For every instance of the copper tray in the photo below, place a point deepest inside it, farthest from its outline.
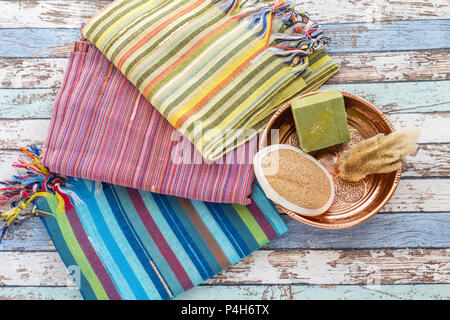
(354, 202)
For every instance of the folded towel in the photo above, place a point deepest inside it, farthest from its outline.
(130, 244)
(215, 69)
(103, 129)
(123, 243)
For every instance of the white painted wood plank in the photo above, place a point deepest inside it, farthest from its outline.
(31, 73)
(318, 292)
(340, 267)
(355, 67)
(431, 160)
(19, 133)
(420, 195)
(392, 66)
(71, 14)
(40, 293)
(14, 133)
(33, 269)
(260, 292)
(416, 195)
(357, 267)
(48, 14)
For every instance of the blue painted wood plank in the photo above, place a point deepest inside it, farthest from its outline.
(258, 292)
(29, 236)
(392, 97)
(389, 36)
(399, 230)
(26, 103)
(401, 97)
(33, 43)
(347, 37)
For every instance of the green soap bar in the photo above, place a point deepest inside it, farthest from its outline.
(320, 120)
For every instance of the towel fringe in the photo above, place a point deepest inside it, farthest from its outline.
(301, 38)
(18, 194)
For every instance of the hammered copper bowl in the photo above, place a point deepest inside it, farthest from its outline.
(354, 202)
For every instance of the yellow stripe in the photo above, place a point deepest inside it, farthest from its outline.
(75, 250)
(119, 21)
(193, 72)
(125, 34)
(262, 59)
(251, 224)
(260, 45)
(165, 45)
(173, 117)
(320, 62)
(100, 15)
(234, 114)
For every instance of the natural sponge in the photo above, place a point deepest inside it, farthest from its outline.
(379, 154)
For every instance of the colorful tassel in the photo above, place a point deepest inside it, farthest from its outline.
(34, 181)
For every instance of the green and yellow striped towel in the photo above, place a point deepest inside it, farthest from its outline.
(216, 69)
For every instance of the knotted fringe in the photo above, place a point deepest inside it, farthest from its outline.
(18, 194)
(300, 38)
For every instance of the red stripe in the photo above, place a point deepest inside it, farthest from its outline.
(87, 248)
(159, 239)
(265, 224)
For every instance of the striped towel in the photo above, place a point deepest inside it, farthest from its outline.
(102, 129)
(122, 243)
(215, 69)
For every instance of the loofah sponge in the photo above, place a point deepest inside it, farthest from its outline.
(294, 179)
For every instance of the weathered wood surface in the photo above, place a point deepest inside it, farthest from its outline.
(393, 66)
(431, 160)
(31, 73)
(357, 267)
(261, 292)
(355, 68)
(346, 38)
(14, 133)
(393, 230)
(340, 267)
(395, 53)
(397, 97)
(72, 14)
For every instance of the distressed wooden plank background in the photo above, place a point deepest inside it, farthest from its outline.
(395, 53)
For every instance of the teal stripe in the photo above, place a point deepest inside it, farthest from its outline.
(216, 230)
(269, 210)
(194, 235)
(102, 250)
(140, 274)
(170, 237)
(147, 240)
(241, 227)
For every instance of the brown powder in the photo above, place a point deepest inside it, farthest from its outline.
(296, 178)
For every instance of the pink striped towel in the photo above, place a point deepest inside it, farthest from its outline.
(102, 129)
